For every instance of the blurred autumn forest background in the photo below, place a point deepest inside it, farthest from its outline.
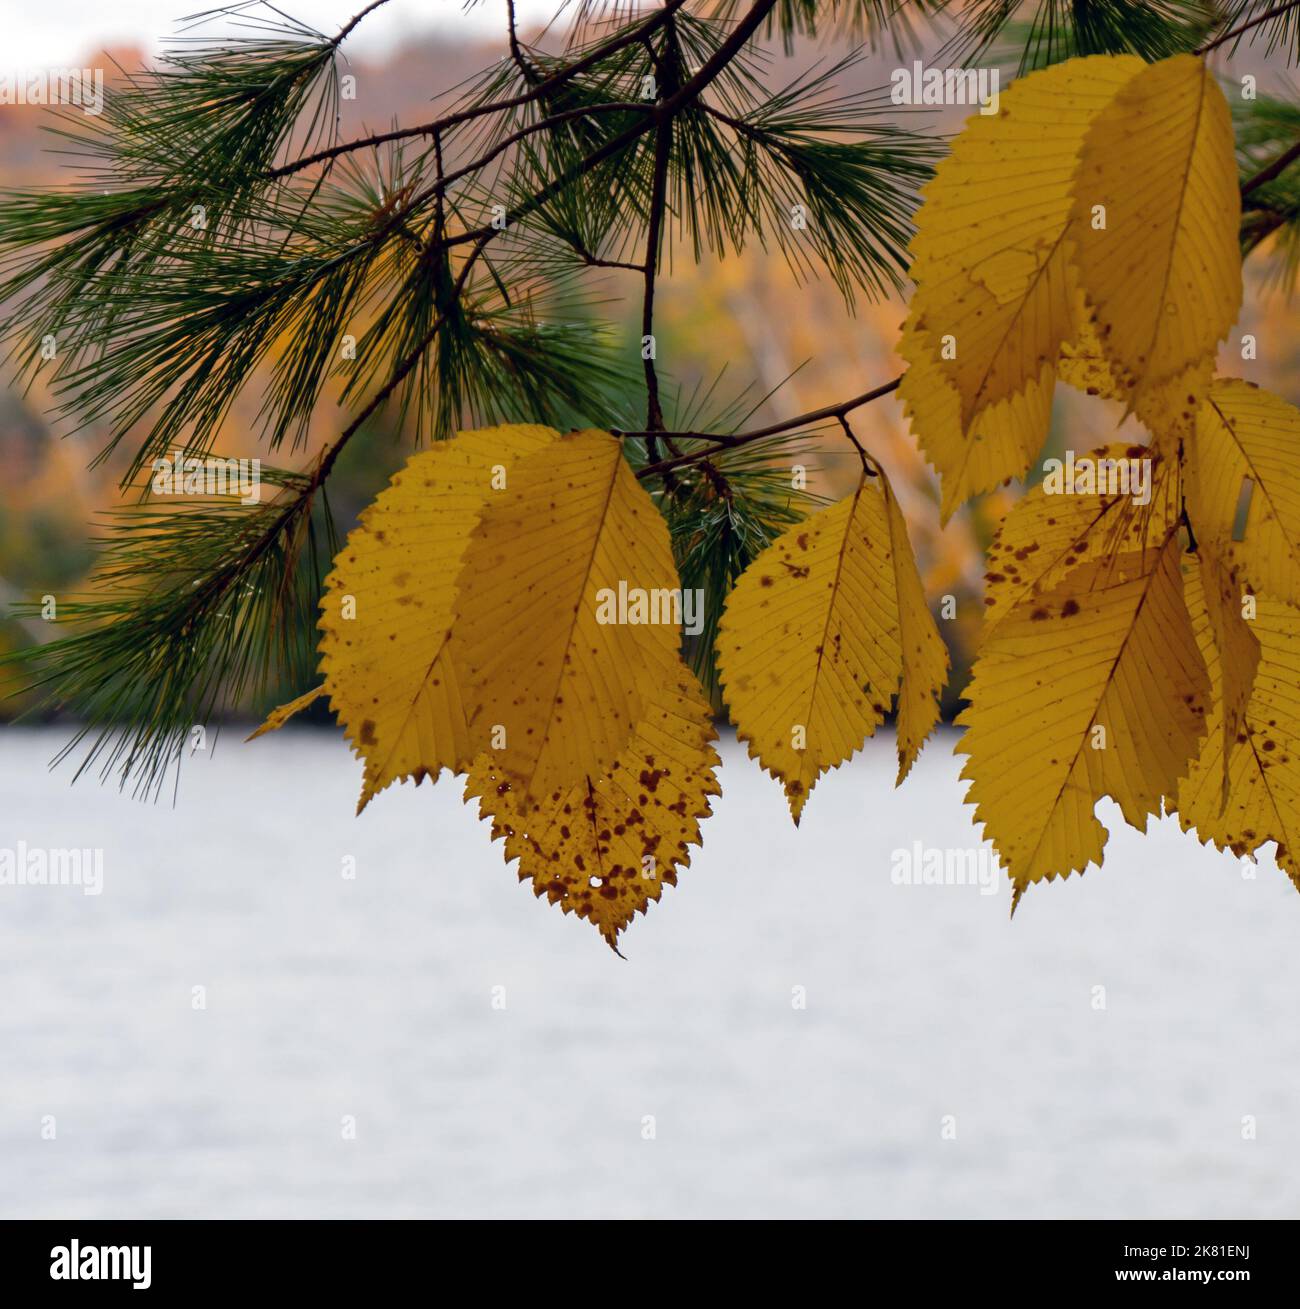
(748, 325)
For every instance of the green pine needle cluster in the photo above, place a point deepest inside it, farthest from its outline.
(1036, 33)
(195, 607)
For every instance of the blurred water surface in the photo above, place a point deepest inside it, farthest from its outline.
(372, 998)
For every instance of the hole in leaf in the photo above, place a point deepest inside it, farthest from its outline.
(1243, 508)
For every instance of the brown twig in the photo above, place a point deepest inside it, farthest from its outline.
(731, 442)
(530, 74)
(1278, 166)
(351, 25)
(867, 469)
(1263, 223)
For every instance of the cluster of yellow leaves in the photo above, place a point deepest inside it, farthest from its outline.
(461, 631)
(1088, 230)
(1140, 647)
(465, 628)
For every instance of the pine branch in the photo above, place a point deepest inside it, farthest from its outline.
(722, 441)
(1273, 170)
(196, 605)
(1065, 29)
(530, 74)
(546, 87)
(1276, 12)
(356, 21)
(667, 66)
(661, 112)
(482, 237)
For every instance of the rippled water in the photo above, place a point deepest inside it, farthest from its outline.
(372, 998)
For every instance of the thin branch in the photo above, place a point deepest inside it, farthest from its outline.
(542, 125)
(667, 70)
(1266, 175)
(440, 205)
(716, 478)
(1186, 522)
(543, 88)
(725, 442)
(594, 261)
(529, 73)
(809, 419)
(737, 125)
(353, 23)
(867, 469)
(1264, 222)
(1275, 12)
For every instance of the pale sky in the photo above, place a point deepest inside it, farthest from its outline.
(44, 33)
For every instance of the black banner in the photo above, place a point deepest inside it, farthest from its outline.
(88, 1260)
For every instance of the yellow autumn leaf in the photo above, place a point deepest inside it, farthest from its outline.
(990, 257)
(1045, 536)
(605, 849)
(1247, 442)
(565, 605)
(814, 639)
(1263, 756)
(999, 443)
(387, 608)
(1154, 234)
(1094, 688)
